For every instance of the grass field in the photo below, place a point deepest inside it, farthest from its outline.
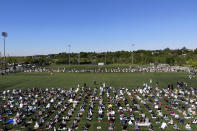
(68, 80)
(116, 80)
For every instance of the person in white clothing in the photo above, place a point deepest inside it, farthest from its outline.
(163, 125)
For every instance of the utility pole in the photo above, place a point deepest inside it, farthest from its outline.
(4, 34)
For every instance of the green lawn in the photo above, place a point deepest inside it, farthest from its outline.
(67, 80)
(116, 80)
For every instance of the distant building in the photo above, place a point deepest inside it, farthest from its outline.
(163, 65)
(101, 64)
(152, 64)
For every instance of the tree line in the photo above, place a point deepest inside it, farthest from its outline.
(178, 57)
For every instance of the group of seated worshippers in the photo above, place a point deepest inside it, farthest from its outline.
(101, 105)
(148, 106)
(172, 106)
(46, 109)
(93, 98)
(115, 69)
(110, 111)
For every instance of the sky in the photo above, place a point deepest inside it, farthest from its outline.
(49, 26)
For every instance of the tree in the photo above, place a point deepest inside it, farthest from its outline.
(28, 60)
(170, 60)
(195, 51)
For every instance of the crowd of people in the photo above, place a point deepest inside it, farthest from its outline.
(118, 69)
(146, 107)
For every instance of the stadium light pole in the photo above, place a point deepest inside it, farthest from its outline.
(4, 35)
(69, 46)
(132, 52)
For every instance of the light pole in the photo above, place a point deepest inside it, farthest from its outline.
(132, 52)
(69, 46)
(4, 34)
